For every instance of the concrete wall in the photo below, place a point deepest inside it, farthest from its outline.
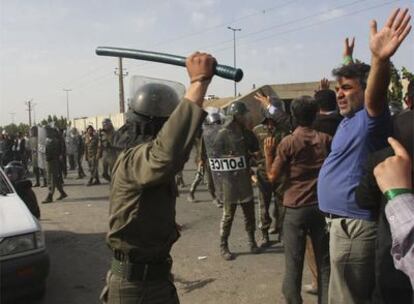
(118, 119)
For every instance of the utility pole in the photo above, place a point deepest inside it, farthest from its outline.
(121, 74)
(29, 109)
(67, 103)
(34, 113)
(234, 54)
(12, 114)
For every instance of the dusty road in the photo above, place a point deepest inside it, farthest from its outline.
(75, 235)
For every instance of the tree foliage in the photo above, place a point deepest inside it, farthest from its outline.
(60, 123)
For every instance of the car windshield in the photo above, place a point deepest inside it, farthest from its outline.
(4, 185)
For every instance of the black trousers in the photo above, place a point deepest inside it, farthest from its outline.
(298, 223)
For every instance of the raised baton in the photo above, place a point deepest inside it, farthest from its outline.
(223, 71)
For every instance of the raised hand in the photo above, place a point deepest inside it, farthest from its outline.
(349, 47)
(395, 171)
(262, 99)
(324, 84)
(384, 43)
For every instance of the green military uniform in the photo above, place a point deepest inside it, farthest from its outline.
(53, 153)
(142, 227)
(107, 152)
(92, 156)
(266, 188)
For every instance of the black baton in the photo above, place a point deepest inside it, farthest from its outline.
(223, 71)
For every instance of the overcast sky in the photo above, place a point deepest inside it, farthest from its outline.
(46, 46)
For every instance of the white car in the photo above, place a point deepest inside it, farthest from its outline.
(24, 261)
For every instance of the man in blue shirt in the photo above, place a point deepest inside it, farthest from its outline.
(363, 130)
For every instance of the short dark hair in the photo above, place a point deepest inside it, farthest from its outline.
(326, 100)
(357, 71)
(304, 110)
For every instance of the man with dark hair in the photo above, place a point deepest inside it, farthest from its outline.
(363, 130)
(328, 119)
(299, 156)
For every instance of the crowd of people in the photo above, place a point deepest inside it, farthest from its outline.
(321, 164)
(48, 153)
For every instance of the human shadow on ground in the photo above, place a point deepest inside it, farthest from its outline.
(190, 286)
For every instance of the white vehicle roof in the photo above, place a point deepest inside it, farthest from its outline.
(15, 217)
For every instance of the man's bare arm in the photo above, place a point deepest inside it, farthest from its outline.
(269, 148)
(383, 45)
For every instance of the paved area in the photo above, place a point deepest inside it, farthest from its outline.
(75, 235)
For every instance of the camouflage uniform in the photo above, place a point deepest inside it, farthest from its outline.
(267, 189)
(92, 157)
(107, 152)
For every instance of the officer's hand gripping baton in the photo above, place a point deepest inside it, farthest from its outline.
(223, 71)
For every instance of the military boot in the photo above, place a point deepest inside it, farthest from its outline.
(62, 196)
(252, 243)
(265, 239)
(48, 199)
(190, 197)
(224, 250)
(89, 182)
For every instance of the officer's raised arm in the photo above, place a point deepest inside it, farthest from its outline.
(156, 161)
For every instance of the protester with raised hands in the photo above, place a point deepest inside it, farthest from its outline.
(364, 129)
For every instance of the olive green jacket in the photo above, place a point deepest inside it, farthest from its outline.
(143, 191)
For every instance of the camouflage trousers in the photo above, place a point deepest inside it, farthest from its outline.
(93, 169)
(229, 210)
(121, 291)
(266, 192)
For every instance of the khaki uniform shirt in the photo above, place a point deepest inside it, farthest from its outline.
(143, 191)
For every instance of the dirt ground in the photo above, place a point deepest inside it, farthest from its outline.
(75, 236)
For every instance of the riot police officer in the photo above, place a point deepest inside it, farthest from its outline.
(203, 170)
(54, 156)
(157, 140)
(229, 149)
(269, 127)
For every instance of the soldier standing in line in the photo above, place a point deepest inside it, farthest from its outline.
(106, 150)
(229, 149)
(80, 144)
(269, 127)
(92, 155)
(142, 226)
(53, 158)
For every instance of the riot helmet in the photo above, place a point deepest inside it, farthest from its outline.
(213, 118)
(237, 108)
(154, 97)
(14, 171)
